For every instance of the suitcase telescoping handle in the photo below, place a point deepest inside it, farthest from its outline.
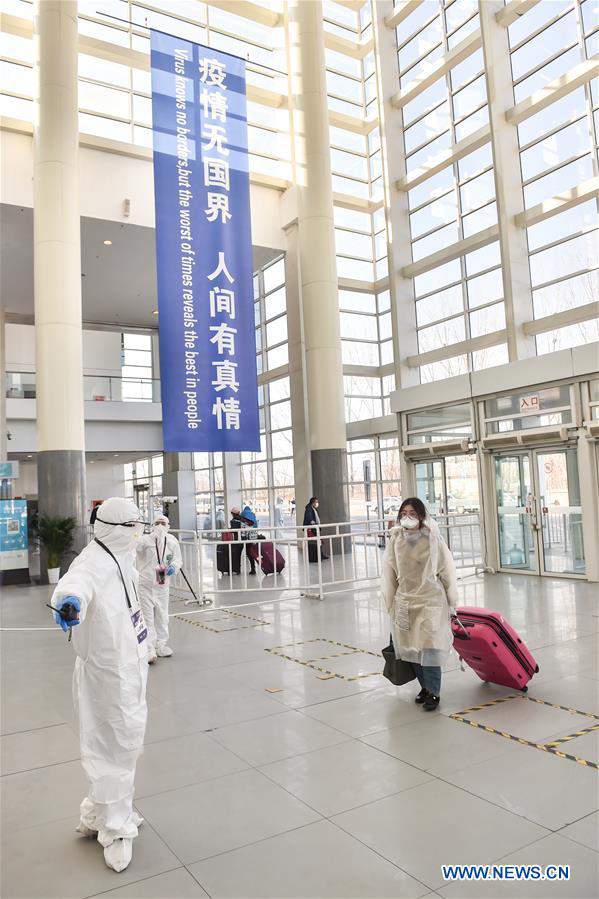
(455, 617)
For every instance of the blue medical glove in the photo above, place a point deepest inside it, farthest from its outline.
(170, 570)
(73, 601)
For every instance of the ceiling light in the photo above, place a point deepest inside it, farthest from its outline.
(115, 455)
(107, 243)
(155, 312)
(30, 456)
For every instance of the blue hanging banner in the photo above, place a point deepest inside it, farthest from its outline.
(203, 249)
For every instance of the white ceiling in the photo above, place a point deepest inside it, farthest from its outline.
(114, 458)
(118, 281)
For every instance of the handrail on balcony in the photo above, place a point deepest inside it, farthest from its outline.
(96, 388)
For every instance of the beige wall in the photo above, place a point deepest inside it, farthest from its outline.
(106, 179)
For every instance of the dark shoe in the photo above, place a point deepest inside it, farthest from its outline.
(323, 557)
(431, 702)
(421, 697)
(237, 572)
(252, 571)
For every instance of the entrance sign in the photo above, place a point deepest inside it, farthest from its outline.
(530, 403)
(203, 249)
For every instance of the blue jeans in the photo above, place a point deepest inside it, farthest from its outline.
(429, 677)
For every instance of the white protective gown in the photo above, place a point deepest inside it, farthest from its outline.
(109, 683)
(419, 588)
(151, 551)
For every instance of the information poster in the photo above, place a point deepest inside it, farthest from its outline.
(14, 552)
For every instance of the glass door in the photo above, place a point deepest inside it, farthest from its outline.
(430, 486)
(560, 511)
(141, 494)
(516, 513)
(449, 488)
(539, 514)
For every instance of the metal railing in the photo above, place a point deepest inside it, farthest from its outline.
(463, 534)
(96, 388)
(317, 560)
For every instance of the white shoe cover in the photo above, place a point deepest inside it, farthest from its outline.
(151, 659)
(85, 830)
(118, 855)
(164, 652)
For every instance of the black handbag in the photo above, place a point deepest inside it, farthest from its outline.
(396, 671)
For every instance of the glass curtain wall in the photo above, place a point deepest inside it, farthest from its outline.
(463, 298)
(143, 484)
(115, 99)
(361, 236)
(456, 302)
(558, 151)
(267, 477)
(211, 511)
(374, 461)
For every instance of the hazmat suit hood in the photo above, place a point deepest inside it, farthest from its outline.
(113, 522)
(161, 526)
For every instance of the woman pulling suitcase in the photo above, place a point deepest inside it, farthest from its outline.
(419, 588)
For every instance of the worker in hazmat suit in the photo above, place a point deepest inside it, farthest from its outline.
(158, 561)
(419, 589)
(97, 600)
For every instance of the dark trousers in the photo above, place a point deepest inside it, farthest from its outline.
(251, 551)
(429, 677)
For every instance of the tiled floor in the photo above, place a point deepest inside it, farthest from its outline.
(262, 780)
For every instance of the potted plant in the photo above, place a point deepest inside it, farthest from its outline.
(56, 536)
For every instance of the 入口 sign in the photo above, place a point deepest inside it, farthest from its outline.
(530, 403)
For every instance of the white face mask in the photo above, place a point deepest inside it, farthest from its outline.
(160, 530)
(123, 539)
(409, 523)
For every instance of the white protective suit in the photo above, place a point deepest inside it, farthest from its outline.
(419, 588)
(109, 683)
(157, 548)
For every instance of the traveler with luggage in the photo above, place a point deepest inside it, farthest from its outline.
(419, 588)
(249, 520)
(228, 552)
(311, 521)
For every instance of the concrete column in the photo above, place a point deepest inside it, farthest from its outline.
(589, 491)
(57, 266)
(178, 479)
(488, 509)
(317, 263)
(302, 469)
(517, 288)
(399, 246)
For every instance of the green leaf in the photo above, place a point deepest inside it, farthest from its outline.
(56, 536)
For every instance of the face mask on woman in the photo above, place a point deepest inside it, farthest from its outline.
(409, 523)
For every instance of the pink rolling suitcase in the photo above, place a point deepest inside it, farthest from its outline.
(269, 554)
(492, 648)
